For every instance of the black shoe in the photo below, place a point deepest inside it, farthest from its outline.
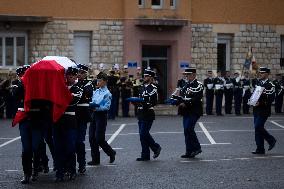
(187, 156)
(272, 145)
(45, 169)
(82, 170)
(92, 163)
(35, 176)
(26, 179)
(72, 176)
(157, 153)
(195, 153)
(112, 157)
(40, 169)
(59, 179)
(142, 159)
(258, 152)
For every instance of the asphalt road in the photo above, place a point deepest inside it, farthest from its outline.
(226, 161)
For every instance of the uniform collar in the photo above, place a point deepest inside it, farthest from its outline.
(264, 81)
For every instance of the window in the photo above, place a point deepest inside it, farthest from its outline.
(173, 4)
(13, 49)
(82, 47)
(141, 3)
(157, 4)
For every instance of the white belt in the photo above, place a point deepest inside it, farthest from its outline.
(141, 108)
(69, 113)
(84, 105)
(21, 109)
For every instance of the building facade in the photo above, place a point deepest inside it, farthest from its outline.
(164, 34)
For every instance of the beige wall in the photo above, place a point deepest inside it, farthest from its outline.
(199, 11)
(62, 8)
(238, 11)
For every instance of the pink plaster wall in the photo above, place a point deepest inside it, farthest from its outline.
(179, 39)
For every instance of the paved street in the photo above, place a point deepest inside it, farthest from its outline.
(226, 161)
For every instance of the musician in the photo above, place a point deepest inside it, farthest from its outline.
(228, 93)
(208, 83)
(246, 85)
(114, 90)
(219, 91)
(237, 93)
(279, 92)
(191, 109)
(146, 116)
(262, 111)
(83, 115)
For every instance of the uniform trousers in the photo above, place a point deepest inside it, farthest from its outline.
(30, 138)
(65, 136)
(261, 133)
(209, 101)
(80, 143)
(238, 101)
(147, 141)
(219, 99)
(191, 141)
(97, 132)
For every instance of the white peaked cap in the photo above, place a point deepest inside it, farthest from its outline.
(125, 66)
(102, 66)
(116, 66)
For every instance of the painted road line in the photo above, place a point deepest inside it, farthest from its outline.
(210, 138)
(107, 165)
(231, 159)
(116, 133)
(11, 170)
(89, 149)
(124, 123)
(277, 124)
(215, 144)
(6, 138)
(10, 141)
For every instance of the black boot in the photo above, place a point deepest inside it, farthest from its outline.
(27, 167)
(112, 157)
(82, 169)
(72, 176)
(35, 175)
(26, 179)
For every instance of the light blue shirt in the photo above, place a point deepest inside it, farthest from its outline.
(102, 98)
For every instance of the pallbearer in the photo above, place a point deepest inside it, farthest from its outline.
(191, 109)
(83, 115)
(65, 131)
(30, 137)
(146, 116)
(261, 112)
